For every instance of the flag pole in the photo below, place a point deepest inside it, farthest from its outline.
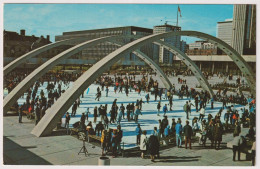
(177, 15)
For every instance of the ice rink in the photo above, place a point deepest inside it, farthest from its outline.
(148, 120)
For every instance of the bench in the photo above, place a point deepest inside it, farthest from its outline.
(94, 137)
(74, 131)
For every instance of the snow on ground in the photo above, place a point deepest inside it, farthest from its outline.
(148, 120)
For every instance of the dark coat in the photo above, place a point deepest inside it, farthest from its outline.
(218, 131)
(153, 145)
(187, 130)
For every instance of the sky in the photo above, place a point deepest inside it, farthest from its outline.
(54, 19)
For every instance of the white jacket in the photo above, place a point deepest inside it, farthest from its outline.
(143, 142)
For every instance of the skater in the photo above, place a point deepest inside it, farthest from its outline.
(138, 132)
(165, 109)
(158, 108)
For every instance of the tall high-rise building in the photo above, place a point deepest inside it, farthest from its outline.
(244, 29)
(166, 56)
(224, 31)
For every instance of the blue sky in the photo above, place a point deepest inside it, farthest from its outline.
(53, 19)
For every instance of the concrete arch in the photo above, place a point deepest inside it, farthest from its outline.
(39, 72)
(190, 64)
(22, 59)
(46, 125)
(150, 62)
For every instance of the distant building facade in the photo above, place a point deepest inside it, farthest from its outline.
(202, 48)
(165, 56)
(101, 50)
(16, 45)
(224, 31)
(244, 29)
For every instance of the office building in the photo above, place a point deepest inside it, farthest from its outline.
(101, 50)
(224, 31)
(165, 56)
(244, 29)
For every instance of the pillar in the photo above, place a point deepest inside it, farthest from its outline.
(213, 65)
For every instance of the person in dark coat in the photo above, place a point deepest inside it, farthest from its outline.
(114, 143)
(211, 130)
(99, 128)
(67, 122)
(20, 114)
(95, 114)
(74, 109)
(83, 118)
(218, 131)
(164, 123)
(153, 147)
(187, 130)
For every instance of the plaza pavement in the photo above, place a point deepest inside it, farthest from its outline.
(22, 148)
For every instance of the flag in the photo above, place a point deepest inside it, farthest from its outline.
(179, 10)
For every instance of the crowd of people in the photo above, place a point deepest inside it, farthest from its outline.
(209, 128)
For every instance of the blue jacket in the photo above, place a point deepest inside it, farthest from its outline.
(167, 131)
(138, 131)
(178, 128)
(165, 108)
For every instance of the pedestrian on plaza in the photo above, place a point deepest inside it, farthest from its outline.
(236, 146)
(153, 147)
(165, 123)
(143, 143)
(67, 122)
(20, 114)
(167, 131)
(165, 109)
(218, 134)
(83, 118)
(155, 132)
(128, 111)
(119, 137)
(237, 129)
(105, 122)
(37, 115)
(187, 130)
(114, 141)
(226, 118)
(178, 129)
(99, 128)
(173, 127)
(95, 114)
(161, 130)
(158, 108)
(104, 142)
(138, 132)
(253, 149)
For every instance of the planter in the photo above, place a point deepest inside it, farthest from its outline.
(103, 161)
